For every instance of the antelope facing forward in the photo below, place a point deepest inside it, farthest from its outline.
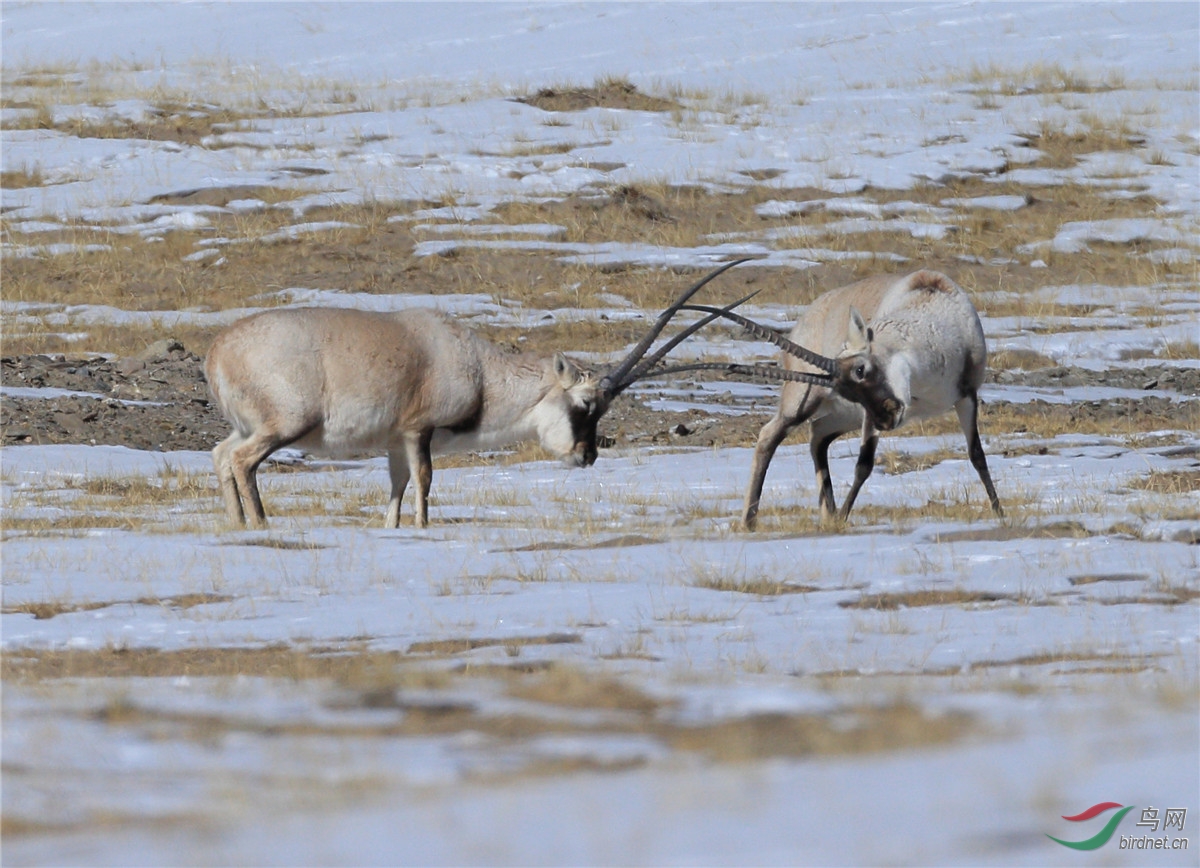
(922, 354)
(414, 383)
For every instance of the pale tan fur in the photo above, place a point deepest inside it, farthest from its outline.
(336, 382)
(917, 336)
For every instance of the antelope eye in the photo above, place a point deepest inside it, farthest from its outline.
(860, 372)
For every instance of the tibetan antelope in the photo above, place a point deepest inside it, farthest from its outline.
(414, 383)
(922, 354)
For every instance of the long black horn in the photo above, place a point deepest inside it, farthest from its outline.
(830, 366)
(770, 373)
(647, 365)
(610, 383)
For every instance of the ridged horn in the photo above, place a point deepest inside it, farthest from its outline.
(766, 371)
(617, 377)
(830, 366)
(647, 366)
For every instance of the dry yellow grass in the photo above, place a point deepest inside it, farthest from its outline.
(375, 255)
(1061, 147)
(16, 179)
(922, 598)
(51, 609)
(1039, 77)
(759, 586)
(379, 680)
(1168, 482)
(606, 91)
(165, 120)
(170, 486)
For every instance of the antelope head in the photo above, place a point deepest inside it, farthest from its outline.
(857, 374)
(589, 396)
(862, 377)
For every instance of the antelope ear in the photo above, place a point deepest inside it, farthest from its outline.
(566, 372)
(858, 336)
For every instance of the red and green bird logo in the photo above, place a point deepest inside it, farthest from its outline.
(1101, 837)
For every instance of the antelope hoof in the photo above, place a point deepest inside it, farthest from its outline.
(835, 522)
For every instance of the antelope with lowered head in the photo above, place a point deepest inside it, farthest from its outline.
(922, 354)
(413, 383)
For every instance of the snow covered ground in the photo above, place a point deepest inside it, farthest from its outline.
(594, 667)
(1072, 656)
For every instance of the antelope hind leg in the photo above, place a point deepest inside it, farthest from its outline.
(222, 461)
(967, 409)
(245, 458)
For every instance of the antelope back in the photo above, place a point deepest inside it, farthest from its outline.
(824, 325)
(928, 322)
(839, 324)
(920, 297)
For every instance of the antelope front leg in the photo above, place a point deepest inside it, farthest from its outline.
(399, 472)
(863, 467)
(769, 439)
(819, 449)
(416, 448)
(794, 409)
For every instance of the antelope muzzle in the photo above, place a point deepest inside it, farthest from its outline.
(582, 455)
(888, 415)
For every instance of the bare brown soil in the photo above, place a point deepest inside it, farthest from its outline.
(615, 93)
(160, 402)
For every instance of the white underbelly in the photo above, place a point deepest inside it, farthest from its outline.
(926, 405)
(341, 444)
(446, 441)
(340, 441)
